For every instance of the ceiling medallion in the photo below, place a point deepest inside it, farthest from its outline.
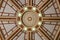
(29, 18)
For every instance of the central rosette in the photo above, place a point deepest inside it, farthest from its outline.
(30, 18)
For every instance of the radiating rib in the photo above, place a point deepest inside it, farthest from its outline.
(7, 18)
(44, 4)
(1, 1)
(41, 3)
(16, 4)
(29, 2)
(57, 19)
(1, 35)
(44, 34)
(58, 2)
(14, 34)
(29, 36)
(57, 34)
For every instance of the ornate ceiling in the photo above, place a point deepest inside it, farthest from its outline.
(30, 20)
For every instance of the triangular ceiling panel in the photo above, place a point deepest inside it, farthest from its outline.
(8, 9)
(37, 1)
(37, 37)
(22, 1)
(8, 27)
(50, 10)
(21, 37)
(49, 27)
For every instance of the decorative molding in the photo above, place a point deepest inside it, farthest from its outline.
(1, 35)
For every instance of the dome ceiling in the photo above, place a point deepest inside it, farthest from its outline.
(30, 20)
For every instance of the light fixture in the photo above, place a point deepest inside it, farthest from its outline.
(19, 14)
(25, 8)
(19, 23)
(33, 29)
(25, 29)
(39, 23)
(34, 8)
(40, 15)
